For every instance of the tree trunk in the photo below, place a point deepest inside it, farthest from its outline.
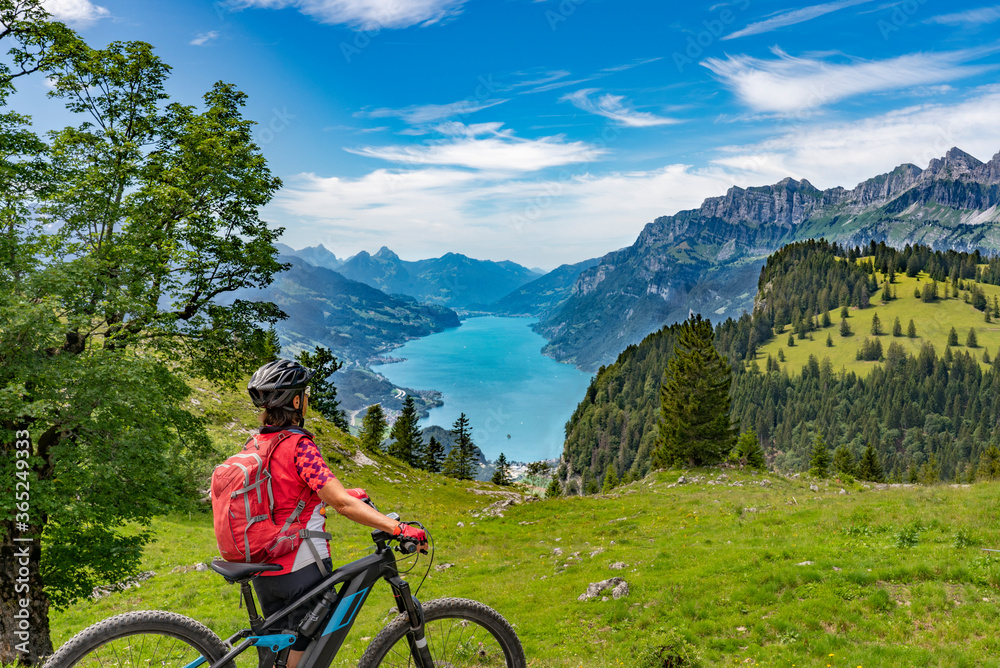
(24, 606)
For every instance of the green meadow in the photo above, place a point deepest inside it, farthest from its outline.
(739, 572)
(933, 321)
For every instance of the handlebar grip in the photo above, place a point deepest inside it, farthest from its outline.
(407, 546)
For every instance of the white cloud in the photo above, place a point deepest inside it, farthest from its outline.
(77, 12)
(571, 214)
(429, 113)
(845, 153)
(614, 107)
(366, 14)
(788, 84)
(969, 17)
(793, 16)
(204, 38)
(485, 146)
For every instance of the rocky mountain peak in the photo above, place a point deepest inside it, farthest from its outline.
(385, 254)
(989, 172)
(955, 162)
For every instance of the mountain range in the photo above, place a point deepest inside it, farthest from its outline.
(707, 259)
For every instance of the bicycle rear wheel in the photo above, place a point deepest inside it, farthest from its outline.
(142, 639)
(460, 634)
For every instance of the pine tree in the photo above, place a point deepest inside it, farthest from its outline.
(322, 391)
(971, 341)
(554, 489)
(748, 450)
(843, 461)
(989, 464)
(911, 330)
(372, 429)
(460, 462)
(791, 339)
(876, 325)
(897, 328)
(501, 476)
(820, 460)
(870, 467)
(844, 312)
(829, 341)
(987, 317)
(986, 356)
(953, 337)
(694, 400)
(408, 443)
(610, 480)
(433, 456)
(930, 473)
(845, 329)
(781, 355)
(826, 319)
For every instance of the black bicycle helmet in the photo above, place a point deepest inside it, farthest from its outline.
(276, 383)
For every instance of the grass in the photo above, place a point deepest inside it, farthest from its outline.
(897, 576)
(933, 322)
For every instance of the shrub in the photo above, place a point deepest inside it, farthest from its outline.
(667, 649)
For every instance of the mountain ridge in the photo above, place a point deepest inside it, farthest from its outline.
(706, 259)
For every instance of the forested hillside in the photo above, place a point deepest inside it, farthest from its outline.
(929, 403)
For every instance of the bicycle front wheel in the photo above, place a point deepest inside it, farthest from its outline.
(460, 634)
(143, 639)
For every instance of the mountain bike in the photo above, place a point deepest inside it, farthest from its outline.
(443, 633)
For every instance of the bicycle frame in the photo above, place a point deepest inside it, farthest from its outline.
(357, 579)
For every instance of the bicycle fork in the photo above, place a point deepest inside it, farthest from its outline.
(416, 638)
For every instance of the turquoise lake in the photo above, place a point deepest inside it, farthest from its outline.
(492, 369)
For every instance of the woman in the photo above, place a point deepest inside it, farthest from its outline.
(303, 486)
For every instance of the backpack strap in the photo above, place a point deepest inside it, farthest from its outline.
(305, 534)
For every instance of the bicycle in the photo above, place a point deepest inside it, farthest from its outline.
(443, 633)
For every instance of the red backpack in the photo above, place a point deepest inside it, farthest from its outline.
(243, 505)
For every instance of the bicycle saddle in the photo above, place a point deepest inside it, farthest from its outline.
(238, 571)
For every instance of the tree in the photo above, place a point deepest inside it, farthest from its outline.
(694, 400)
(539, 468)
(876, 325)
(554, 489)
(791, 340)
(845, 329)
(460, 462)
(826, 319)
(843, 461)
(151, 220)
(844, 312)
(911, 330)
(610, 480)
(408, 443)
(989, 464)
(501, 476)
(819, 462)
(829, 341)
(373, 429)
(930, 472)
(749, 452)
(870, 467)
(322, 392)
(953, 337)
(897, 328)
(970, 340)
(433, 456)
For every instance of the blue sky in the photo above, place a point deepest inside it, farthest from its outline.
(551, 131)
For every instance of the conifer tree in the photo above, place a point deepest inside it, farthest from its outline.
(748, 450)
(870, 467)
(843, 461)
(897, 328)
(844, 312)
(986, 356)
(911, 330)
(610, 480)
(460, 462)
(408, 443)
(930, 473)
(819, 463)
(433, 456)
(781, 354)
(876, 325)
(791, 339)
(829, 341)
(695, 428)
(372, 429)
(845, 329)
(971, 341)
(989, 464)
(322, 392)
(554, 489)
(953, 337)
(826, 319)
(501, 476)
